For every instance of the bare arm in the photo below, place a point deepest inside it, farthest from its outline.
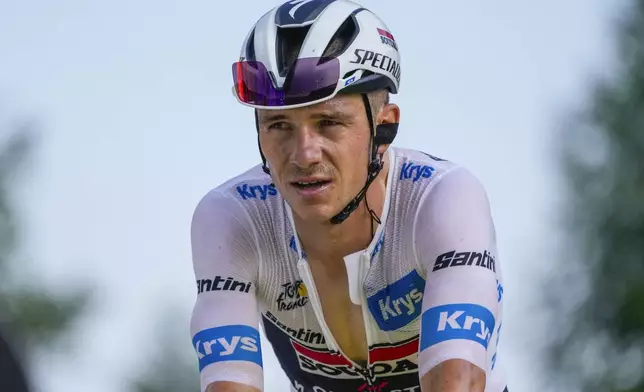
(225, 386)
(454, 375)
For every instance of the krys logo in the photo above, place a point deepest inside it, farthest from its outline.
(227, 343)
(413, 171)
(399, 303)
(456, 321)
(293, 295)
(261, 192)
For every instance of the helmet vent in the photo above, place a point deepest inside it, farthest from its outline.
(342, 39)
(289, 42)
(250, 47)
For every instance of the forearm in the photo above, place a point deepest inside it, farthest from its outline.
(454, 376)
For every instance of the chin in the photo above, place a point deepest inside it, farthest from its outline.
(319, 213)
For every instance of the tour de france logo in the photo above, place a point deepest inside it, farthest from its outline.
(293, 295)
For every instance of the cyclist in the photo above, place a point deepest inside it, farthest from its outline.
(370, 267)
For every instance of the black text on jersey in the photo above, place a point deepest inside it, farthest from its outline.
(222, 284)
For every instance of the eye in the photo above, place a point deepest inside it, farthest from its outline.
(279, 126)
(328, 123)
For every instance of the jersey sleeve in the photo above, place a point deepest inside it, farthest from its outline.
(454, 239)
(224, 324)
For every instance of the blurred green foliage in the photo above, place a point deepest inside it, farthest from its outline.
(600, 343)
(174, 367)
(32, 317)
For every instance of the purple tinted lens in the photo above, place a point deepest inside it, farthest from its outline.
(309, 79)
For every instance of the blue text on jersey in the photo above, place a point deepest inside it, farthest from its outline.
(499, 289)
(227, 343)
(376, 249)
(399, 303)
(415, 171)
(256, 191)
(498, 335)
(456, 321)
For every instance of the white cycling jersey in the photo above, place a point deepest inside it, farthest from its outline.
(430, 284)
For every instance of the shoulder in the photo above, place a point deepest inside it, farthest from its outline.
(453, 215)
(416, 166)
(441, 178)
(440, 198)
(424, 180)
(457, 191)
(250, 185)
(227, 209)
(224, 229)
(253, 184)
(456, 187)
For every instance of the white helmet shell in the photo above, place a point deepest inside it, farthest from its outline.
(368, 55)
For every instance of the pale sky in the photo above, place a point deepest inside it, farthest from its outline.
(133, 100)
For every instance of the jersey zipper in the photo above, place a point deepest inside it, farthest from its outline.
(357, 293)
(307, 277)
(365, 263)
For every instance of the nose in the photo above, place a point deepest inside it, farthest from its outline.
(308, 148)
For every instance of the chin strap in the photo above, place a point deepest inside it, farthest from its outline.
(264, 166)
(381, 134)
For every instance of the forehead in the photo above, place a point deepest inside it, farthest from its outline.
(340, 105)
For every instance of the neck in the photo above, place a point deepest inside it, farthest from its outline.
(333, 242)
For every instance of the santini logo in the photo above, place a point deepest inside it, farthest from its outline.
(415, 172)
(227, 343)
(453, 259)
(222, 284)
(456, 321)
(304, 335)
(256, 191)
(399, 303)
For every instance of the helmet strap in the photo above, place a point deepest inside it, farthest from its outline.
(373, 169)
(264, 165)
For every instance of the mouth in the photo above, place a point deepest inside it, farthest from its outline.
(310, 184)
(310, 187)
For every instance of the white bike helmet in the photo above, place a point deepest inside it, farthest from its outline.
(305, 52)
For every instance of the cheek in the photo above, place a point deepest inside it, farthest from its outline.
(266, 145)
(272, 150)
(355, 157)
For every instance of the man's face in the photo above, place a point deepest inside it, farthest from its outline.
(317, 155)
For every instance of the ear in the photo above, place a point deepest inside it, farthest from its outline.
(389, 114)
